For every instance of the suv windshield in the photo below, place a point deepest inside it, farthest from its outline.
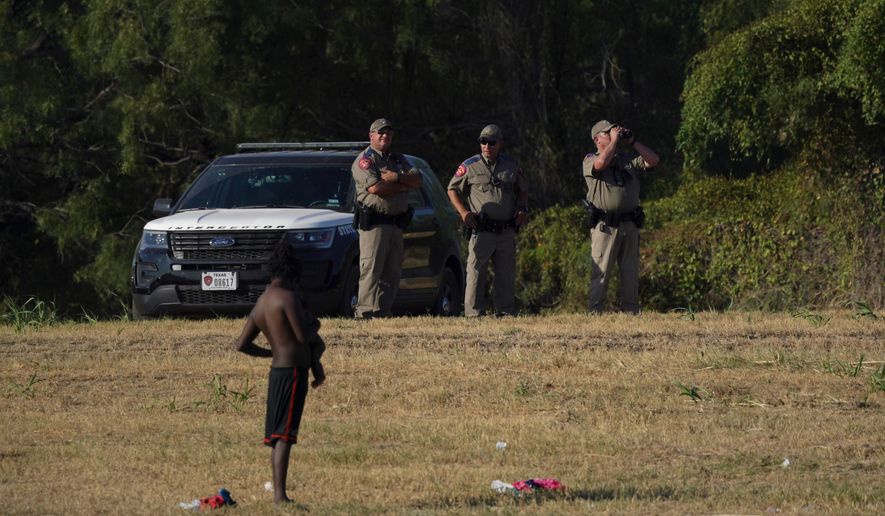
(270, 186)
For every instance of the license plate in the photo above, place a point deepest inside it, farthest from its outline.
(219, 280)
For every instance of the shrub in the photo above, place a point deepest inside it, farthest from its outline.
(554, 260)
(778, 242)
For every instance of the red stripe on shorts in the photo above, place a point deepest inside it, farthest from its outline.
(292, 401)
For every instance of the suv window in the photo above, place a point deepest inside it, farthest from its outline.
(416, 198)
(269, 186)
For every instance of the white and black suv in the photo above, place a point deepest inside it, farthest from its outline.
(208, 252)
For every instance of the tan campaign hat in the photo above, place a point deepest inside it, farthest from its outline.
(600, 127)
(491, 131)
(379, 124)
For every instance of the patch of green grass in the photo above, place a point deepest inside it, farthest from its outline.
(239, 398)
(685, 313)
(863, 310)
(221, 396)
(27, 388)
(88, 317)
(789, 361)
(816, 320)
(726, 362)
(840, 368)
(695, 392)
(877, 380)
(33, 313)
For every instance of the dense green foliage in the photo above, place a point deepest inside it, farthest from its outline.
(107, 105)
(806, 80)
(786, 240)
(554, 260)
(787, 104)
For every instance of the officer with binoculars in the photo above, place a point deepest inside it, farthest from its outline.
(612, 177)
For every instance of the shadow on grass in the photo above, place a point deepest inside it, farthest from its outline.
(586, 495)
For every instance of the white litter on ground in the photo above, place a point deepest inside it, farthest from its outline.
(500, 486)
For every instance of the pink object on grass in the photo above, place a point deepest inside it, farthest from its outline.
(538, 483)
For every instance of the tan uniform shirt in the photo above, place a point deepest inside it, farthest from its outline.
(366, 170)
(491, 188)
(615, 188)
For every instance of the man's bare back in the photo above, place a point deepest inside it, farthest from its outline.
(278, 315)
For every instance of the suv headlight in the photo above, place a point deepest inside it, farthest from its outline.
(153, 240)
(312, 238)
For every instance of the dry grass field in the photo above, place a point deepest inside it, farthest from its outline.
(662, 413)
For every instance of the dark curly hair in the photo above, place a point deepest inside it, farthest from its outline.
(284, 263)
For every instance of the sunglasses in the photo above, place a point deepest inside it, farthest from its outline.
(385, 131)
(490, 143)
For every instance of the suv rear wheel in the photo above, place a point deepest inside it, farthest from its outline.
(448, 300)
(349, 291)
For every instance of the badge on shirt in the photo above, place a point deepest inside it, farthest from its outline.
(365, 163)
(461, 170)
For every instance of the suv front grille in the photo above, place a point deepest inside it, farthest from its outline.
(248, 245)
(194, 295)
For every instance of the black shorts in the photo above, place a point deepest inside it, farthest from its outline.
(286, 392)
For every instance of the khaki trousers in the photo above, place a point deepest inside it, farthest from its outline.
(607, 245)
(500, 248)
(381, 265)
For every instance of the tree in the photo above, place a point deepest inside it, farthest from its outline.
(802, 81)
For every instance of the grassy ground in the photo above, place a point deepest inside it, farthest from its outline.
(660, 413)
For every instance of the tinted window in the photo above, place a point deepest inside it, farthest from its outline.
(268, 186)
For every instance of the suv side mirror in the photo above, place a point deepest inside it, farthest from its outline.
(162, 207)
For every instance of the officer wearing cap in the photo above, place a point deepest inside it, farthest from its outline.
(612, 177)
(497, 195)
(383, 180)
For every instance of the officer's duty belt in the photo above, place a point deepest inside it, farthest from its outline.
(613, 218)
(494, 226)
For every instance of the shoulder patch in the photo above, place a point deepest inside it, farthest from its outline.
(471, 161)
(461, 170)
(369, 153)
(365, 163)
(590, 155)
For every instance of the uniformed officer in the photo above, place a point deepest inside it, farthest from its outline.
(612, 177)
(383, 180)
(497, 194)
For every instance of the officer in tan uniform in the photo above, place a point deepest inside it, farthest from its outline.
(383, 180)
(497, 194)
(612, 177)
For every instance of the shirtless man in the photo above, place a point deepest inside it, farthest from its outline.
(294, 347)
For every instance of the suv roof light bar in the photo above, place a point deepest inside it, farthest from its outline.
(247, 147)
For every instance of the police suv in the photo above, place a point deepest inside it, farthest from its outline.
(208, 252)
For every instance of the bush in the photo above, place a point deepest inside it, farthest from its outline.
(774, 242)
(790, 239)
(553, 268)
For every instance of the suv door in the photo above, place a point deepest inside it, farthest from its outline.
(420, 277)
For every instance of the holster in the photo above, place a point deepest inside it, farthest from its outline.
(611, 218)
(365, 218)
(594, 214)
(405, 218)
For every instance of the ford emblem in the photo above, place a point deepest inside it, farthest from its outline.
(222, 242)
